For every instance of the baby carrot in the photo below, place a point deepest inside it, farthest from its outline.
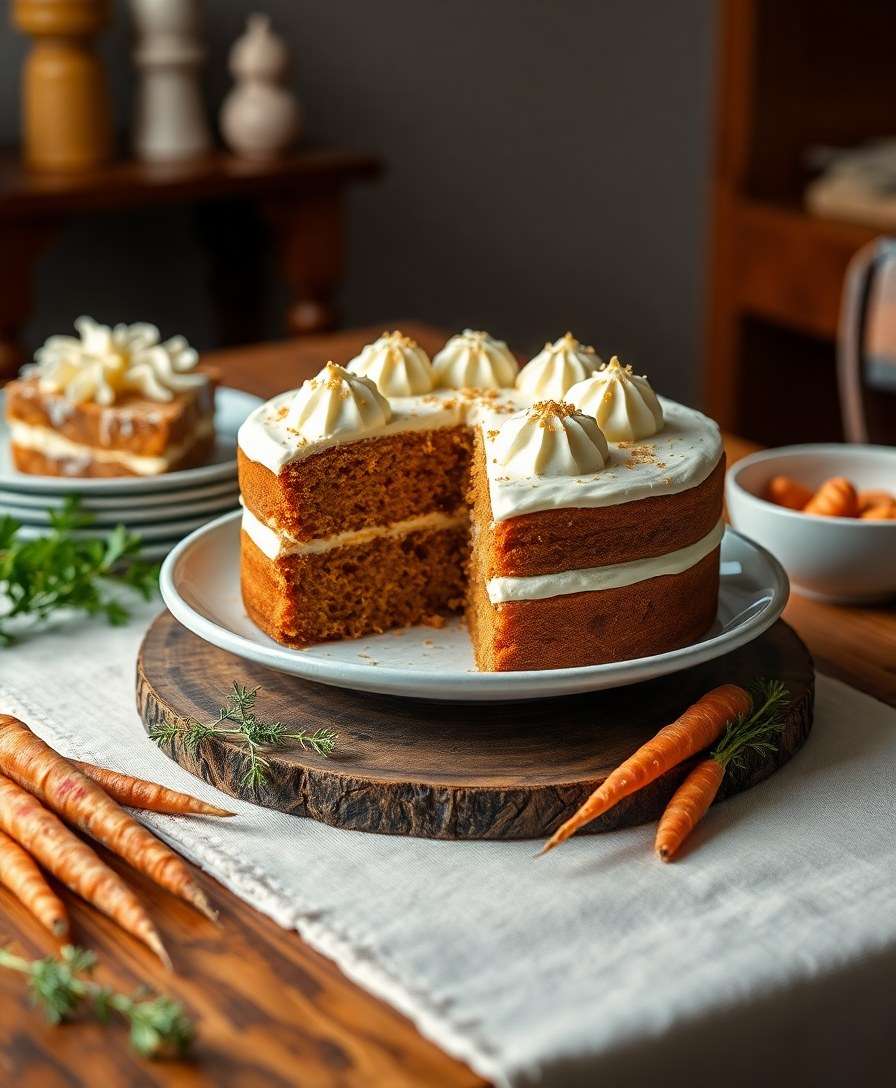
(50, 842)
(757, 731)
(19, 873)
(698, 727)
(138, 793)
(788, 492)
(26, 759)
(869, 499)
(688, 806)
(836, 498)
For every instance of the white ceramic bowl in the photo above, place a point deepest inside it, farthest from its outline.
(845, 560)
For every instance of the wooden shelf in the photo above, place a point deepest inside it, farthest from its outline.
(790, 264)
(129, 183)
(792, 76)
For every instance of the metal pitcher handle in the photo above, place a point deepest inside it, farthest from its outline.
(857, 288)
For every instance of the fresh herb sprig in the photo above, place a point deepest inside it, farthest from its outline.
(758, 731)
(238, 718)
(41, 577)
(62, 986)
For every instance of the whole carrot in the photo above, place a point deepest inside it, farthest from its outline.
(26, 759)
(689, 803)
(19, 873)
(698, 727)
(50, 842)
(138, 793)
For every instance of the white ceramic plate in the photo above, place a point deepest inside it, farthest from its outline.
(231, 408)
(136, 517)
(167, 530)
(200, 585)
(126, 503)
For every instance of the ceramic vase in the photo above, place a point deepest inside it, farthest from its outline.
(260, 117)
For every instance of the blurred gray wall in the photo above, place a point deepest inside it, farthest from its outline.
(547, 166)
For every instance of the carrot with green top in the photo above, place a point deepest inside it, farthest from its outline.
(755, 732)
(697, 728)
(150, 796)
(20, 874)
(28, 760)
(71, 861)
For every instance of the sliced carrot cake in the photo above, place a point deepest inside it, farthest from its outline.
(574, 515)
(111, 402)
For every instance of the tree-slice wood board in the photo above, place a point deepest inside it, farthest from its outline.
(452, 771)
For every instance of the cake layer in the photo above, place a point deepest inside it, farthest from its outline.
(570, 539)
(603, 578)
(135, 425)
(591, 628)
(275, 543)
(43, 452)
(351, 591)
(375, 481)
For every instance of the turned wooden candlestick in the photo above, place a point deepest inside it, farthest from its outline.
(65, 106)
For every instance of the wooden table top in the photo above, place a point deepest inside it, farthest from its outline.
(270, 1010)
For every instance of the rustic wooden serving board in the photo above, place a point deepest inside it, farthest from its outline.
(453, 771)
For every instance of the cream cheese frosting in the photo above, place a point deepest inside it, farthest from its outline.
(556, 368)
(681, 456)
(623, 403)
(475, 360)
(101, 363)
(614, 576)
(549, 439)
(396, 364)
(336, 403)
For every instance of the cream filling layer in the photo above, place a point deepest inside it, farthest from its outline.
(276, 545)
(52, 444)
(594, 579)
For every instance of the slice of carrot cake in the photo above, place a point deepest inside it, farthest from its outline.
(111, 402)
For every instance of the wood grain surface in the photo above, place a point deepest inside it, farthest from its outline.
(452, 771)
(272, 1012)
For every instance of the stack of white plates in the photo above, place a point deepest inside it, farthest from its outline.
(161, 509)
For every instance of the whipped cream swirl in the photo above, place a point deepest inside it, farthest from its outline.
(475, 360)
(551, 438)
(624, 405)
(557, 367)
(102, 363)
(337, 402)
(397, 364)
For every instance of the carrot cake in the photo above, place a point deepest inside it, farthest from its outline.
(111, 402)
(570, 512)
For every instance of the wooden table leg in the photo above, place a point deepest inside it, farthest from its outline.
(308, 233)
(20, 246)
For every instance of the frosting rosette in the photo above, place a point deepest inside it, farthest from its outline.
(623, 403)
(475, 360)
(337, 402)
(103, 362)
(551, 438)
(557, 367)
(397, 364)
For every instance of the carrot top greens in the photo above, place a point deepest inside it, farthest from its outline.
(239, 719)
(62, 985)
(65, 571)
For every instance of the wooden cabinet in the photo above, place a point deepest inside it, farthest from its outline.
(790, 76)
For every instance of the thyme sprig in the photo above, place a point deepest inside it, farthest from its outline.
(60, 570)
(238, 718)
(62, 985)
(759, 730)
